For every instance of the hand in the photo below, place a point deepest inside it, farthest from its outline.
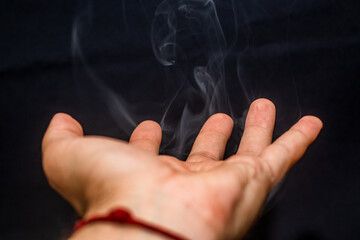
(202, 198)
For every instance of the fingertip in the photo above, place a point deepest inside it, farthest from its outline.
(61, 126)
(313, 121)
(221, 117)
(149, 129)
(147, 136)
(219, 122)
(262, 114)
(65, 122)
(310, 125)
(151, 123)
(60, 117)
(264, 104)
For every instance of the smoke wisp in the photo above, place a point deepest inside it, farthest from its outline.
(189, 42)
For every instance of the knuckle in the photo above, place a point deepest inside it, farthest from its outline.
(255, 168)
(202, 155)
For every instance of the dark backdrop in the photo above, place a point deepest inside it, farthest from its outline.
(92, 59)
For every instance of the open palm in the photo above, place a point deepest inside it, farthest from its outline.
(203, 197)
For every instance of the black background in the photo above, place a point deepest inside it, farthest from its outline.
(309, 47)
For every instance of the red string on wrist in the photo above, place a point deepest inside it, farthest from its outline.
(123, 216)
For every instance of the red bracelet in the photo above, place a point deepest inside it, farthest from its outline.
(121, 215)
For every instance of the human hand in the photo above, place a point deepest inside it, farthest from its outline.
(201, 198)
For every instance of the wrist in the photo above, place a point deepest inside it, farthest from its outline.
(165, 212)
(114, 231)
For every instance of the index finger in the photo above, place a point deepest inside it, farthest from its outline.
(290, 147)
(211, 142)
(147, 136)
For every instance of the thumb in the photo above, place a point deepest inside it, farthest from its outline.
(62, 130)
(61, 127)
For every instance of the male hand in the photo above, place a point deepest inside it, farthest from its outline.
(205, 197)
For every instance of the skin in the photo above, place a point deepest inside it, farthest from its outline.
(205, 197)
